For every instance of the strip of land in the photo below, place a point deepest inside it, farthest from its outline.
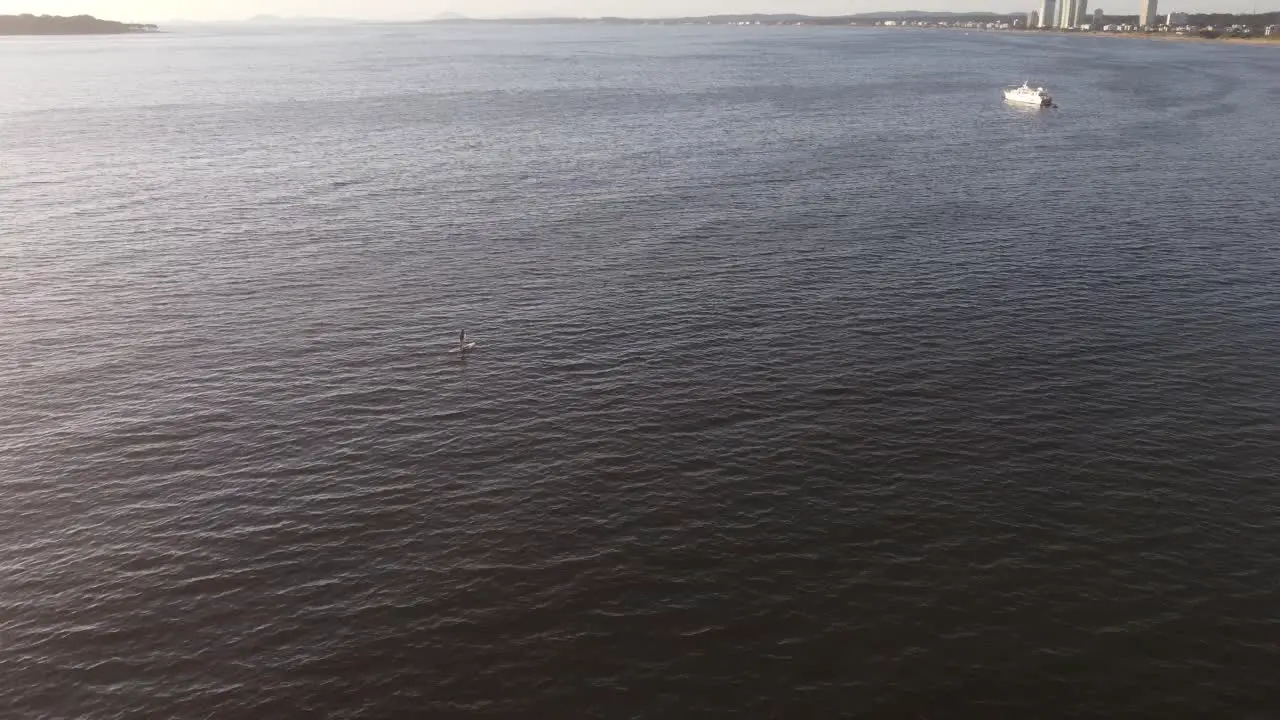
(58, 25)
(1256, 28)
(1235, 39)
(1179, 36)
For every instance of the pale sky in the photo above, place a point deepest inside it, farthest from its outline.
(163, 10)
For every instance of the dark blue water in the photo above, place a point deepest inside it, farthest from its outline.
(811, 379)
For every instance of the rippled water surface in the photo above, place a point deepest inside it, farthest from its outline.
(811, 380)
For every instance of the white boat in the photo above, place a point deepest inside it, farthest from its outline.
(1027, 95)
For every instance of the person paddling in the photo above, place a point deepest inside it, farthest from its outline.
(463, 345)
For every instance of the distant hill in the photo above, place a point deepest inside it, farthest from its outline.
(919, 14)
(787, 19)
(1253, 20)
(57, 25)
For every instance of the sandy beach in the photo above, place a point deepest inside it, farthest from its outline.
(1164, 37)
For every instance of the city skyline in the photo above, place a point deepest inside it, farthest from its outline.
(164, 10)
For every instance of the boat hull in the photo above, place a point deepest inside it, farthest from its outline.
(1032, 100)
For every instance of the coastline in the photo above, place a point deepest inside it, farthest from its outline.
(1170, 37)
(1157, 37)
(54, 25)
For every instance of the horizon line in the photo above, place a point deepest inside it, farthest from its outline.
(459, 17)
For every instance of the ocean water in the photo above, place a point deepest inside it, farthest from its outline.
(811, 380)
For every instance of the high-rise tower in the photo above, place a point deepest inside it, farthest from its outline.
(1046, 13)
(1147, 17)
(1066, 14)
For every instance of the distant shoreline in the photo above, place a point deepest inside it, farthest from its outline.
(45, 25)
(716, 22)
(969, 22)
(51, 25)
(1159, 37)
(1171, 37)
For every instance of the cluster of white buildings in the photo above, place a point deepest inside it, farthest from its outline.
(966, 24)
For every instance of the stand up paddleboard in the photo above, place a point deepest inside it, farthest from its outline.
(463, 345)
